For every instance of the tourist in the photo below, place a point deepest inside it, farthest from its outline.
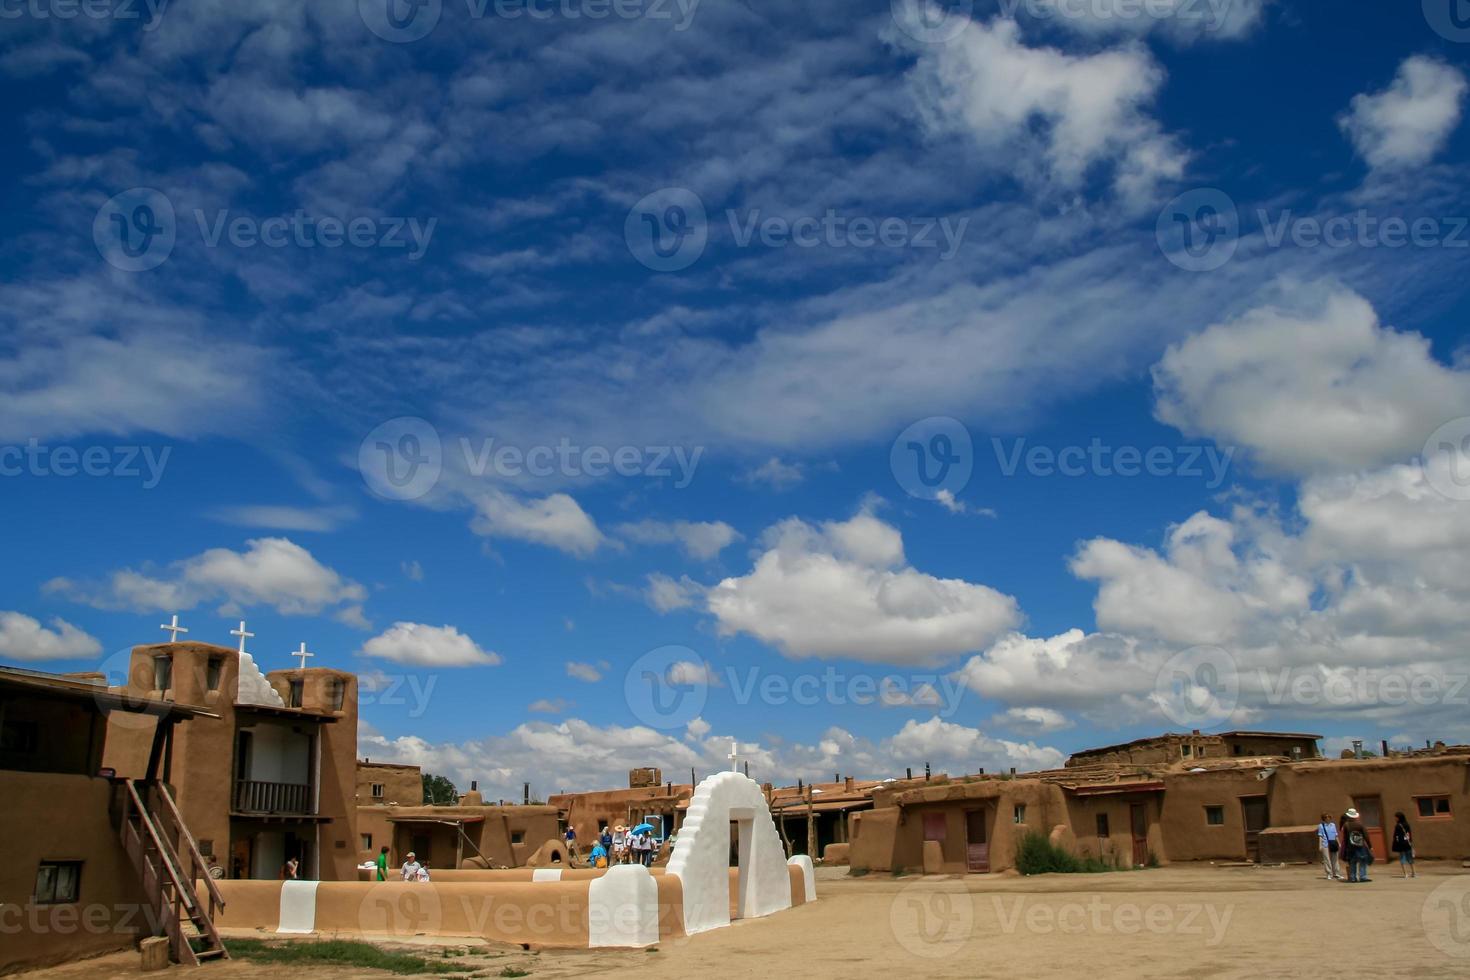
(411, 868)
(382, 863)
(620, 842)
(1328, 844)
(644, 847)
(423, 875)
(289, 871)
(598, 857)
(1359, 854)
(571, 841)
(1403, 844)
(606, 840)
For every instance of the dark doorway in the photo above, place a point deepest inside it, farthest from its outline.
(977, 844)
(1255, 815)
(1138, 824)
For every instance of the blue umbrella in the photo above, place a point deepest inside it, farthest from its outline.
(643, 828)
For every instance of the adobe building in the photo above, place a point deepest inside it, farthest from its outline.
(646, 800)
(812, 817)
(92, 862)
(1195, 799)
(269, 773)
(467, 835)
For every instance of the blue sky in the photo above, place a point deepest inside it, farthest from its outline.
(712, 278)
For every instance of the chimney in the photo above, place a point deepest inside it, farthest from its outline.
(982, 771)
(1357, 748)
(847, 785)
(526, 793)
(909, 773)
(1013, 770)
(837, 777)
(926, 772)
(474, 785)
(1384, 743)
(798, 784)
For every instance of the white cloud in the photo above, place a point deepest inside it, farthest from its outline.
(575, 755)
(24, 639)
(1409, 122)
(273, 572)
(776, 474)
(428, 646)
(701, 540)
(687, 672)
(666, 594)
(946, 499)
(584, 672)
(1052, 115)
(555, 520)
(550, 706)
(1036, 720)
(1321, 386)
(1182, 21)
(412, 570)
(843, 589)
(285, 518)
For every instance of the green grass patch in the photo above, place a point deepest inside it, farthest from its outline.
(1036, 855)
(338, 952)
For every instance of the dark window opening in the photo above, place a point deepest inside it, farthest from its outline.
(1215, 816)
(58, 882)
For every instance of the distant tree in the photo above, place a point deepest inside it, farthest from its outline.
(439, 790)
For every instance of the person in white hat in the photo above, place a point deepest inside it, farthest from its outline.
(1355, 844)
(411, 867)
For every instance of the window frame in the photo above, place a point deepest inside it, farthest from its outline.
(1214, 809)
(1018, 814)
(1434, 800)
(1103, 830)
(56, 878)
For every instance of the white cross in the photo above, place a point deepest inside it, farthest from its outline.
(173, 629)
(241, 634)
(734, 756)
(303, 655)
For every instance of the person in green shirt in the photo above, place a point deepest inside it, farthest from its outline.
(383, 863)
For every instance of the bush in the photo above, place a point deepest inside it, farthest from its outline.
(1036, 855)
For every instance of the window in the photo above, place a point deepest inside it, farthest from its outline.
(1237, 750)
(1184, 751)
(1102, 825)
(1020, 813)
(206, 848)
(295, 692)
(367, 842)
(338, 693)
(517, 836)
(211, 673)
(1433, 806)
(377, 791)
(58, 882)
(1215, 816)
(163, 673)
(934, 826)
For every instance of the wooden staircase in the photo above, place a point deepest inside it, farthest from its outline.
(153, 834)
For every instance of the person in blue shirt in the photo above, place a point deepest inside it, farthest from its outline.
(1329, 845)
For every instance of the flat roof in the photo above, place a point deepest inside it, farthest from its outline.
(1167, 735)
(80, 689)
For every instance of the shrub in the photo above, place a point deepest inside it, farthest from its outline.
(1036, 855)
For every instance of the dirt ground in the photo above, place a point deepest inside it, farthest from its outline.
(1168, 922)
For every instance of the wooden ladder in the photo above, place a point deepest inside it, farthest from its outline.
(148, 835)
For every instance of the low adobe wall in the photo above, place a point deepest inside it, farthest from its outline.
(627, 906)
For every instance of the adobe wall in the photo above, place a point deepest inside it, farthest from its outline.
(496, 835)
(1045, 808)
(1117, 847)
(1187, 837)
(76, 827)
(402, 785)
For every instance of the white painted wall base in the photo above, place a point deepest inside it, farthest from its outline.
(804, 862)
(623, 908)
(298, 907)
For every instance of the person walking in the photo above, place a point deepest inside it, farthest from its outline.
(1403, 844)
(1329, 845)
(620, 844)
(382, 863)
(570, 837)
(1359, 854)
(411, 867)
(606, 840)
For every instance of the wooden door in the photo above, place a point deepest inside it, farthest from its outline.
(977, 845)
(1255, 816)
(1370, 813)
(1138, 828)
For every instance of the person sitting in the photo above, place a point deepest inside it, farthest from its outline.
(598, 857)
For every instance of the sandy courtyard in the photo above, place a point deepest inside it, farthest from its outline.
(1170, 922)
